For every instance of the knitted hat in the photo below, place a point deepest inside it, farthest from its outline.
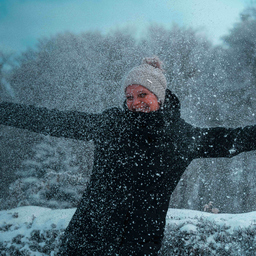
(150, 75)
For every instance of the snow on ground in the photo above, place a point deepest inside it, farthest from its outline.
(233, 221)
(23, 220)
(34, 230)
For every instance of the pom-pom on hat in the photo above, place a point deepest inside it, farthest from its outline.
(150, 75)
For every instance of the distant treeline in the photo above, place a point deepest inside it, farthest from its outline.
(215, 84)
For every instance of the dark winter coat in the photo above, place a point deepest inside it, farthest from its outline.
(139, 158)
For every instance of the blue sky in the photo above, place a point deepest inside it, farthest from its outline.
(23, 22)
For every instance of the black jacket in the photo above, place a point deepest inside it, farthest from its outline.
(139, 159)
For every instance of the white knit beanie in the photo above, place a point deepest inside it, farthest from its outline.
(150, 75)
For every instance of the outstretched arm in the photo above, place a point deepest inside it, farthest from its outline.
(74, 125)
(224, 142)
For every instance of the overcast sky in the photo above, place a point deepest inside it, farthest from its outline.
(22, 22)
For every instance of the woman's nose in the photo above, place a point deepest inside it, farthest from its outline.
(136, 101)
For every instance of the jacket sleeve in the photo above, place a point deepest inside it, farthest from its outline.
(72, 124)
(223, 142)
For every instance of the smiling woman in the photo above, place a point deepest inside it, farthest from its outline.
(145, 86)
(139, 98)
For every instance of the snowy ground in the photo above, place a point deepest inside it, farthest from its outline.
(233, 221)
(35, 231)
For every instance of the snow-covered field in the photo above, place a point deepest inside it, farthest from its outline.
(35, 230)
(233, 221)
(32, 230)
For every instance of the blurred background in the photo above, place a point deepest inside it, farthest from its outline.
(72, 55)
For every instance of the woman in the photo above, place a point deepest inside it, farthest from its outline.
(141, 151)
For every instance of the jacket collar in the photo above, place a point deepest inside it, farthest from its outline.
(170, 112)
(170, 109)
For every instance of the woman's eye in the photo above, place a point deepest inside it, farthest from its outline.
(142, 95)
(129, 97)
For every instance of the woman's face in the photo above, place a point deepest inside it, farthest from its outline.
(140, 99)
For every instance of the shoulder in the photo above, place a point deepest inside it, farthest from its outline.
(181, 130)
(112, 116)
(113, 112)
(181, 125)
